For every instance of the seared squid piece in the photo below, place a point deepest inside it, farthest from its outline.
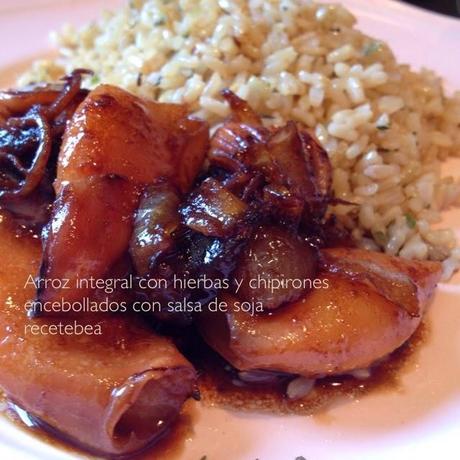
(111, 393)
(115, 145)
(367, 305)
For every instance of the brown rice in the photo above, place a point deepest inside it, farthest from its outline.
(386, 128)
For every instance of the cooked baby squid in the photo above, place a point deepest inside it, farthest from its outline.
(107, 383)
(354, 319)
(115, 145)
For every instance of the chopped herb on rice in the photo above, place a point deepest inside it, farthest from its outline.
(372, 47)
(411, 220)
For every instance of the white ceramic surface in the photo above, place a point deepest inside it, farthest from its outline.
(420, 420)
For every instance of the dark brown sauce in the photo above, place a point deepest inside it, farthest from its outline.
(220, 388)
(172, 445)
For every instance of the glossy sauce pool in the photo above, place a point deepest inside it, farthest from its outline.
(218, 383)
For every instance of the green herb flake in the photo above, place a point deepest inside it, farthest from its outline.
(372, 47)
(380, 237)
(410, 220)
(94, 80)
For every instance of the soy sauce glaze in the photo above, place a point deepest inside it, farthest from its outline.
(220, 386)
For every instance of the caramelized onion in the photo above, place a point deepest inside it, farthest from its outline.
(212, 210)
(68, 94)
(34, 174)
(236, 146)
(241, 110)
(33, 121)
(156, 219)
(320, 169)
(240, 142)
(17, 102)
(296, 171)
(282, 203)
(289, 167)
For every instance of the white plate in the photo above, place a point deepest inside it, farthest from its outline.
(419, 420)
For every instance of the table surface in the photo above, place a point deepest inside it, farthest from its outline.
(450, 7)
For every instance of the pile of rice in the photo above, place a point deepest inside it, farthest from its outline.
(386, 129)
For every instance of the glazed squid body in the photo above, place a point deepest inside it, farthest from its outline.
(372, 305)
(112, 394)
(115, 145)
